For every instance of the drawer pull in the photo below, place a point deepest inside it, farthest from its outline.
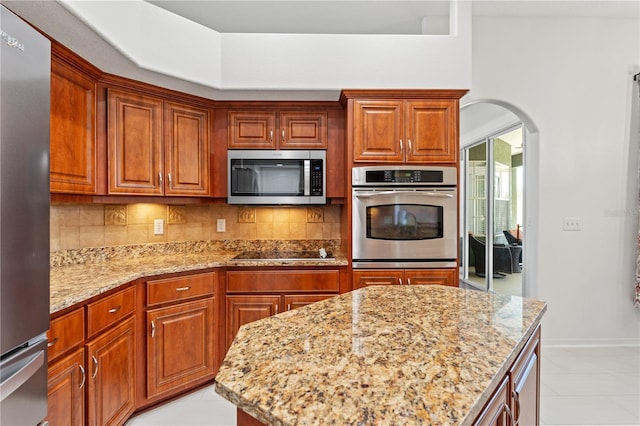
(53, 342)
(84, 376)
(116, 309)
(183, 288)
(289, 307)
(95, 366)
(153, 329)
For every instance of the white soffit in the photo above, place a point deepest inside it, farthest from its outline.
(161, 41)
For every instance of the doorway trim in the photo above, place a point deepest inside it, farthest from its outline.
(531, 192)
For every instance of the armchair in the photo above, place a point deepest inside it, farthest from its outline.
(502, 263)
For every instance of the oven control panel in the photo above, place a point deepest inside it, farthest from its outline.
(404, 175)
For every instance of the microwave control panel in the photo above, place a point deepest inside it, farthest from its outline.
(316, 177)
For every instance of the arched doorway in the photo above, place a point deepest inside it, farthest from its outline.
(498, 203)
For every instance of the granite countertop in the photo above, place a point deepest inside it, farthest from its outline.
(78, 276)
(378, 355)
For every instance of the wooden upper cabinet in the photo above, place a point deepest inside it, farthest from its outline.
(251, 130)
(405, 131)
(186, 150)
(377, 131)
(74, 155)
(306, 130)
(135, 143)
(403, 127)
(277, 130)
(157, 147)
(431, 131)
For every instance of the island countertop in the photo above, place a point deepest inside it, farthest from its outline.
(379, 355)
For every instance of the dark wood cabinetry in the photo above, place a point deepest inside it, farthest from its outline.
(111, 381)
(77, 159)
(516, 401)
(403, 127)
(66, 371)
(258, 294)
(181, 324)
(444, 276)
(156, 147)
(277, 129)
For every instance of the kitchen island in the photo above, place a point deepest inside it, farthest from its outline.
(382, 355)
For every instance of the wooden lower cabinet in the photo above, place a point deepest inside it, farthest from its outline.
(243, 309)
(439, 276)
(66, 385)
(525, 383)
(180, 346)
(111, 375)
(497, 411)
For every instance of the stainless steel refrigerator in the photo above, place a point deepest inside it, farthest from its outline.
(25, 67)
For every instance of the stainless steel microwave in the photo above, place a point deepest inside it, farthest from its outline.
(276, 177)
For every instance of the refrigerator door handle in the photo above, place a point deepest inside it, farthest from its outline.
(24, 373)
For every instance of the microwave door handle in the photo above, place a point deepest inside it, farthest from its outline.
(307, 177)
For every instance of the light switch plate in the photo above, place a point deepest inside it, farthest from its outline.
(571, 223)
(158, 227)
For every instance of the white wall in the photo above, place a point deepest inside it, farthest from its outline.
(573, 77)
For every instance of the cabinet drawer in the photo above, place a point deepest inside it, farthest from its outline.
(282, 281)
(108, 311)
(65, 333)
(180, 288)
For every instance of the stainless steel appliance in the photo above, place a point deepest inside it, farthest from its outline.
(404, 216)
(24, 221)
(277, 177)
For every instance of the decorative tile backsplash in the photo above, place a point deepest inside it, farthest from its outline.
(77, 226)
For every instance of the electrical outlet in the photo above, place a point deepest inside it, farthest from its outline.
(571, 223)
(158, 227)
(221, 225)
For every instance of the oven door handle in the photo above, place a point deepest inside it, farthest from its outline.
(398, 192)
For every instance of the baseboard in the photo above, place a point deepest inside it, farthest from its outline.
(558, 343)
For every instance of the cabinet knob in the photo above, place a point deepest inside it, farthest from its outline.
(400, 281)
(400, 145)
(53, 342)
(187, 288)
(169, 177)
(270, 135)
(160, 177)
(409, 145)
(116, 309)
(283, 135)
(153, 329)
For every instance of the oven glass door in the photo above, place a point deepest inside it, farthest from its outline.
(267, 177)
(416, 225)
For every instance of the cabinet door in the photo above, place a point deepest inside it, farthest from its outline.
(431, 131)
(525, 386)
(303, 130)
(252, 130)
(179, 345)
(111, 371)
(377, 131)
(135, 144)
(293, 301)
(365, 277)
(245, 309)
(73, 163)
(496, 412)
(432, 276)
(186, 150)
(65, 398)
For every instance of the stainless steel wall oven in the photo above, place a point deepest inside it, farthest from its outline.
(404, 217)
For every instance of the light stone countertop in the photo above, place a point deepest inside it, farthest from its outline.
(93, 275)
(393, 355)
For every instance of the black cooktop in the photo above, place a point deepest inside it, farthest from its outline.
(283, 255)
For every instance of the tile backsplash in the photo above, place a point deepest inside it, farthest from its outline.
(77, 226)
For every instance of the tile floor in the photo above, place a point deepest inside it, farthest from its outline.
(579, 386)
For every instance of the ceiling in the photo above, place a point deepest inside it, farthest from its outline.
(289, 16)
(368, 17)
